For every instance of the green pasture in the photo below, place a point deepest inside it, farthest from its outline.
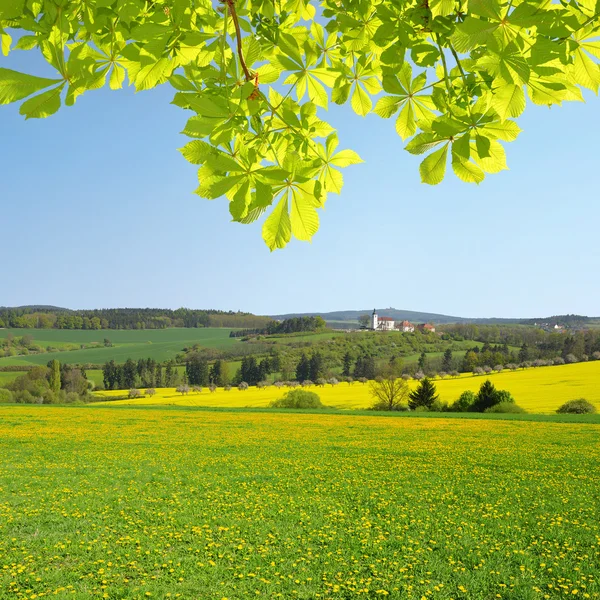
(159, 344)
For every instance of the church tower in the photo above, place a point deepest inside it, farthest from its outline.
(374, 320)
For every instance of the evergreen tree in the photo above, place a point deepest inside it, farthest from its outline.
(524, 353)
(303, 369)
(422, 361)
(487, 396)
(425, 394)
(347, 364)
(54, 379)
(317, 367)
(264, 369)
(218, 373)
(129, 373)
(249, 371)
(158, 376)
(169, 374)
(196, 370)
(447, 361)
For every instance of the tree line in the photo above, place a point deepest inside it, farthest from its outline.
(291, 325)
(125, 318)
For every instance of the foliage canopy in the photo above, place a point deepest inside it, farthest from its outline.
(255, 75)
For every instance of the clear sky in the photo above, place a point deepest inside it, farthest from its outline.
(97, 210)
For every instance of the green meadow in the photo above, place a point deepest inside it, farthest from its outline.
(159, 344)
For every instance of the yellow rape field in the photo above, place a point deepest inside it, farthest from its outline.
(537, 390)
(211, 505)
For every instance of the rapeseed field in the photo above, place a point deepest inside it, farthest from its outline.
(537, 390)
(130, 503)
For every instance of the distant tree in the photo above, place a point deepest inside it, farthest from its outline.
(478, 371)
(158, 377)
(424, 395)
(422, 361)
(316, 368)
(333, 381)
(321, 381)
(570, 359)
(107, 343)
(419, 375)
(54, 376)
(364, 320)
(242, 386)
(363, 380)
(454, 374)
(347, 364)
(134, 393)
(524, 353)
(307, 383)
(487, 396)
(498, 368)
(196, 369)
(218, 373)
(150, 392)
(447, 361)
(465, 402)
(197, 389)
(183, 389)
(487, 369)
(303, 369)
(389, 393)
(170, 374)
(350, 380)
(227, 388)
(596, 355)
(213, 388)
(129, 374)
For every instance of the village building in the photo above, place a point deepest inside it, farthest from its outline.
(388, 324)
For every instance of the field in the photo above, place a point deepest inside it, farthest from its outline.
(159, 344)
(151, 503)
(540, 390)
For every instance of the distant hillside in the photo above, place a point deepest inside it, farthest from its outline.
(342, 317)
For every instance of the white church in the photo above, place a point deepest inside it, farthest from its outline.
(388, 324)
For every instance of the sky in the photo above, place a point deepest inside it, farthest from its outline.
(97, 210)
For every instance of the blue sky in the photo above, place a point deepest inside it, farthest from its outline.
(97, 210)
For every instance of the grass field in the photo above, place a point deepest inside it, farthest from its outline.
(159, 344)
(540, 390)
(150, 503)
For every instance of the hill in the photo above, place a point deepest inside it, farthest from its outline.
(350, 317)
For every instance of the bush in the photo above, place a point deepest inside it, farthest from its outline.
(504, 397)
(559, 360)
(577, 407)
(570, 359)
(506, 408)
(465, 402)
(439, 406)
(5, 396)
(298, 399)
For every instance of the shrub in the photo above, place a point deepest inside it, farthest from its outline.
(570, 359)
(242, 386)
(504, 397)
(439, 406)
(5, 396)
(465, 402)
(298, 399)
(559, 360)
(596, 355)
(577, 407)
(505, 408)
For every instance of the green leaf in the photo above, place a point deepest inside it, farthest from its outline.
(304, 217)
(495, 162)
(5, 42)
(196, 152)
(405, 123)
(345, 158)
(117, 77)
(361, 101)
(509, 101)
(423, 142)
(472, 32)
(43, 105)
(387, 106)
(467, 171)
(277, 228)
(153, 74)
(441, 8)
(11, 9)
(433, 168)
(16, 86)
